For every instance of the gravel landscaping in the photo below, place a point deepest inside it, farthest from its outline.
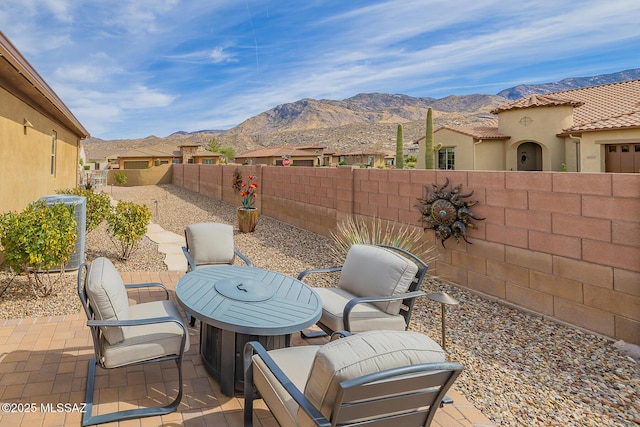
(520, 369)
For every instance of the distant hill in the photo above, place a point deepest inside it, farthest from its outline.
(521, 91)
(363, 121)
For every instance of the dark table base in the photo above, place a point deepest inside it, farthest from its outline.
(221, 353)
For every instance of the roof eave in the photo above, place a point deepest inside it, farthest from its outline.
(22, 66)
(567, 133)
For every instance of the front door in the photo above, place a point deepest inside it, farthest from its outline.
(529, 157)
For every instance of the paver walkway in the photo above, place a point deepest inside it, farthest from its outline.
(43, 363)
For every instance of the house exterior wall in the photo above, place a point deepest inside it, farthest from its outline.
(489, 155)
(152, 176)
(379, 160)
(200, 160)
(274, 161)
(143, 162)
(564, 245)
(592, 147)
(539, 125)
(26, 157)
(471, 154)
(462, 144)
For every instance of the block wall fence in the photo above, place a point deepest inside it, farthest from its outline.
(564, 245)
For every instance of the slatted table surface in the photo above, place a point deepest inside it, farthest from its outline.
(237, 304)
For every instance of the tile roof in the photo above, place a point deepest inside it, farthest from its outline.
(154, 151)
(604, 107)
(277, 151)
(595, 108)
(537, 100)
(487, 130)
(629, 120)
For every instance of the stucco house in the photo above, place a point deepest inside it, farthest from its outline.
(39, 136)
(298, 155)
(162, 154)
(368, 158)
(593, 129)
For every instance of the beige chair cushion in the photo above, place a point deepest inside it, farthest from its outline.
(210, 243)
(146, 342)
(295, 362)
(370, 271)
(107, 296)
(360, 355)
(363, 317)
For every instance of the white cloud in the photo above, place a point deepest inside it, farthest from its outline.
(218, 55)
(172, 63)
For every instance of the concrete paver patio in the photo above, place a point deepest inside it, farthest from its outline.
(43, 363)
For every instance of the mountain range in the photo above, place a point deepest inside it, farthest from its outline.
(364, 121)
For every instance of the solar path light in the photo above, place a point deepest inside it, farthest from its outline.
(444, 299)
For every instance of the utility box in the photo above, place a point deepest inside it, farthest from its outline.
(79, 205)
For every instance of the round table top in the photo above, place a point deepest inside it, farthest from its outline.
(229, 297)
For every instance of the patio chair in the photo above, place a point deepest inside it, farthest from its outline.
(125, 335)
(209, 244)
(381, 378)
(377, 289)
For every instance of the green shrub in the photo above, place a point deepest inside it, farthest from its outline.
(120, 178)
(38, 239)
(98, 205)
(128, 224)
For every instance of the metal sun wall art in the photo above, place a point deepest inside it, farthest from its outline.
(446, 213)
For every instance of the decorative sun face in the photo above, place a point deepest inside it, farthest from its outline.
(446, 213)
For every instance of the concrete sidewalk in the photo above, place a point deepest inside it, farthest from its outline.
(170, 244)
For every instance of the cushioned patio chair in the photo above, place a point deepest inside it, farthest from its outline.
(210, 244)
(377, 289)
(125, 335)
(381, 378)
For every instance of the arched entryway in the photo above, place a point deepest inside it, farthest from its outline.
(529, 157)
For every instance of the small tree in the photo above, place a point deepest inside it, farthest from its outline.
(399, 149)
(38, 239)
(228, 153)
(120, 178)
(128, 224)
(214, 146)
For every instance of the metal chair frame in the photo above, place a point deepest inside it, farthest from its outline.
(408, 395)
(96, 333)
(408, 298)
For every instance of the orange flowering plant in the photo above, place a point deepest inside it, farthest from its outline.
(249, 193)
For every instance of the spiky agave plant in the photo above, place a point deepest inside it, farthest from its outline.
(371, 231)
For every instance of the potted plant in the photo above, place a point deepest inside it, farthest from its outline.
(248, 213)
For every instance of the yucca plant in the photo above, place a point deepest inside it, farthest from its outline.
(371, 231)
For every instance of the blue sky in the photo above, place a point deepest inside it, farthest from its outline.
(134, 68)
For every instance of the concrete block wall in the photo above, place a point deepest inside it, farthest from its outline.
(565, 245)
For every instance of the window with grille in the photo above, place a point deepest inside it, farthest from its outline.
(446, 159)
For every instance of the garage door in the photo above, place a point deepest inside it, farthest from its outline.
(136, 164)
(622, 158)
